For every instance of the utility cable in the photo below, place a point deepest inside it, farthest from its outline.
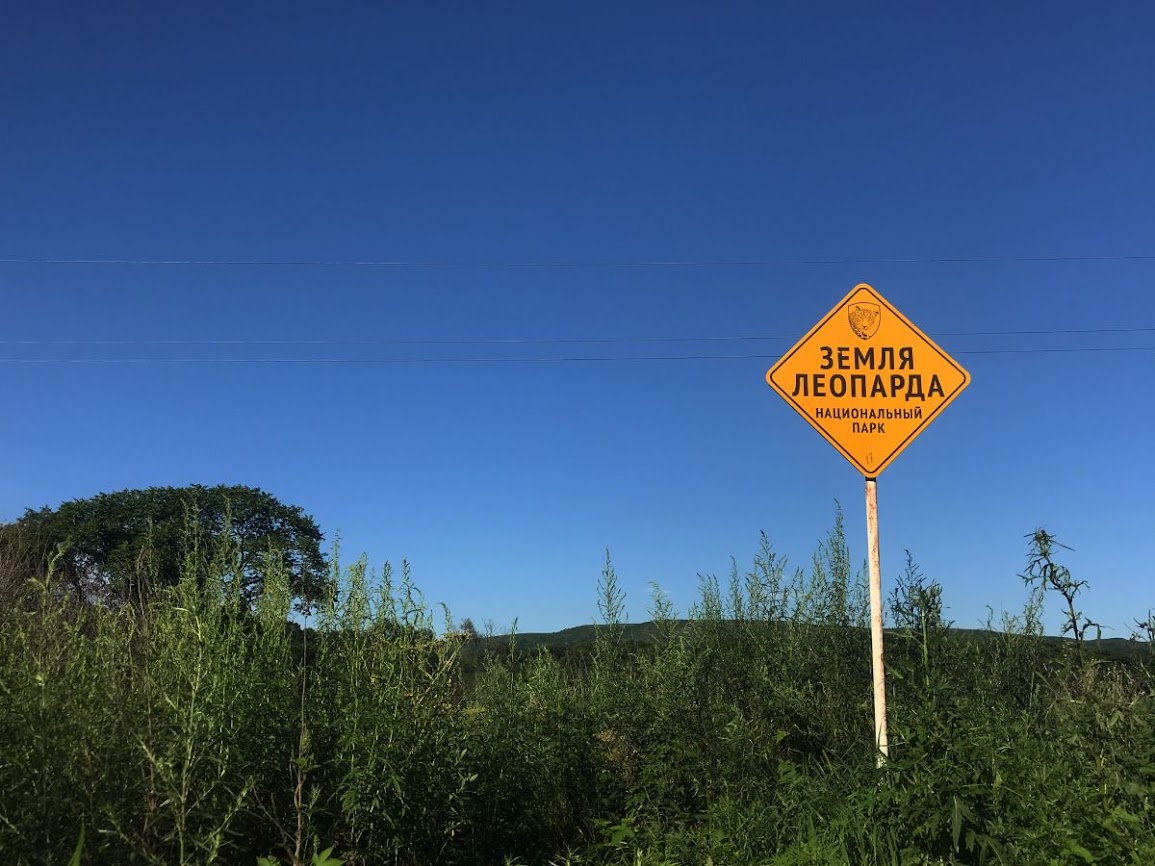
(526, 360)
(488, 341)
(565, 263)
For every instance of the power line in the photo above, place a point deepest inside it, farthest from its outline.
(526, 341)
(568, 263)
(1046, 350)
(526, 360)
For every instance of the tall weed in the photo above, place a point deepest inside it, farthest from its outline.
(195, 727)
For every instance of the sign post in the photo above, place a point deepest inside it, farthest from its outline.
(876, 666)
(869, 381)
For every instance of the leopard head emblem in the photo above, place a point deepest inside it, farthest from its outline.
(864, 318)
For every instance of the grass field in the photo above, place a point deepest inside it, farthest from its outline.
(740, 732)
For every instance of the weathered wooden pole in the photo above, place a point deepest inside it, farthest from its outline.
(877, 665)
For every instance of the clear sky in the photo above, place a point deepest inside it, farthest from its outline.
(531, 162)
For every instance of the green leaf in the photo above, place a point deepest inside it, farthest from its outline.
(1079, 851)
(74, 860)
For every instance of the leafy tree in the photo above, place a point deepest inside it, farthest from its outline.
(467, 628)
(118, 546)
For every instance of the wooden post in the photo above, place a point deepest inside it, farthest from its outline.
(876, 621)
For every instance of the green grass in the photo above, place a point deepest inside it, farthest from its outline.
(202, 731)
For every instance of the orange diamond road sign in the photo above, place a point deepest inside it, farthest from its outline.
(867, 379)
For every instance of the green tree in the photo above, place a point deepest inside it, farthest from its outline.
(119, 546)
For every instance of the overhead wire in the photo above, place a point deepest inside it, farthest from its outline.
(475, 342)
(527, 360)
(495, 341)
(546, 341)
(569, 263)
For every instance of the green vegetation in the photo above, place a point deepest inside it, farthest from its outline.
(120, 546)
(204, 727)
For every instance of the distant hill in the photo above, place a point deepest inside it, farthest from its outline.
(644, 633)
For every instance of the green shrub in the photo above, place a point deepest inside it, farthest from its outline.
(210, 728)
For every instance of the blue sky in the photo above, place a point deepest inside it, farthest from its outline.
(534, 160)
